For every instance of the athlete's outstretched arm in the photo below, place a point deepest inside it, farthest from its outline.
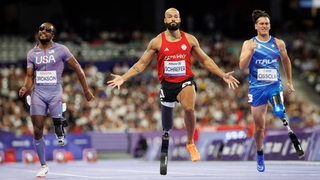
(209, 63)
(72, 62)
(137, 68)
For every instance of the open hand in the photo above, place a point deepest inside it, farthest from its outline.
(116, 82)
(230, 80)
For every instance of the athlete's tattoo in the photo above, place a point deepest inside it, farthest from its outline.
(136, 69)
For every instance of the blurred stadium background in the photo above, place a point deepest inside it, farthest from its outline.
(110, 38)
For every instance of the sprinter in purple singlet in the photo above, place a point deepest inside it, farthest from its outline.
(45, 64)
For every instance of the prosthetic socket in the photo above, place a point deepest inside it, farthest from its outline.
(58, 127)
(278, 106)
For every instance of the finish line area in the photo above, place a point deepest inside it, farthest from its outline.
(141, 169)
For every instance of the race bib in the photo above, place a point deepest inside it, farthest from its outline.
(175, 68)
(267, 75)
(46, 77)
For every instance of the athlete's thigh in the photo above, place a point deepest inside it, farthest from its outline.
(55, 104)
(187, 97)
(38, 105)
(38, 122)
(259, 114)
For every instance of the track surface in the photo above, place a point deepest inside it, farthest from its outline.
(124, 169)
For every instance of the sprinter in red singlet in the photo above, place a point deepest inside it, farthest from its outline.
(174, 49)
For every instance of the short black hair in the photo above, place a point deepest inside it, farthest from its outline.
(257, 13)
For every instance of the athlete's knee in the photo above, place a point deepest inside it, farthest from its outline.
(38, 125)
(259, 132)
(278, 106)
(37, 133)
(189, 110)
(259, 129)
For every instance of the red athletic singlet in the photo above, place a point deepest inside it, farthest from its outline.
(174, 60)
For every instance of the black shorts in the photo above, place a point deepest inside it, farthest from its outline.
(169, 91)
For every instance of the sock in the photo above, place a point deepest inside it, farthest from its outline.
(40, 145)
(260, 153)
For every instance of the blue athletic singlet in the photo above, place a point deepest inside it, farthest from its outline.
(264, 75)
(48, 66)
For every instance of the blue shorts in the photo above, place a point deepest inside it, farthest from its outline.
(261, 95)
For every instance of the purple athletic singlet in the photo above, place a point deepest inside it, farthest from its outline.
(48, 66)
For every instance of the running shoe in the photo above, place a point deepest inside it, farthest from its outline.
(194, 154)
(43, 171)
(61, 140)
(260, 163)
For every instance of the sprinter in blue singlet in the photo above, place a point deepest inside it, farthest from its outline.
(262, 55)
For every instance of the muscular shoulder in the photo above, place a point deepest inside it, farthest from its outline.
(280, 43)
(61, 46)
(248, 42)
(193, 41)
(31, 51)
(155, 43)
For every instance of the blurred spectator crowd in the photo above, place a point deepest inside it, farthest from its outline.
(136, 106)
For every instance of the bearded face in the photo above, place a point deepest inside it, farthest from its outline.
(44, 41)
(173, 26)
(46, 33)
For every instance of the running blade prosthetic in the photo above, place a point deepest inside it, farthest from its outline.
(296, 145)
(164, 154)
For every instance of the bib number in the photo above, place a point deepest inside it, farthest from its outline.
(175, 68)
(46, 77)
(267, 75)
